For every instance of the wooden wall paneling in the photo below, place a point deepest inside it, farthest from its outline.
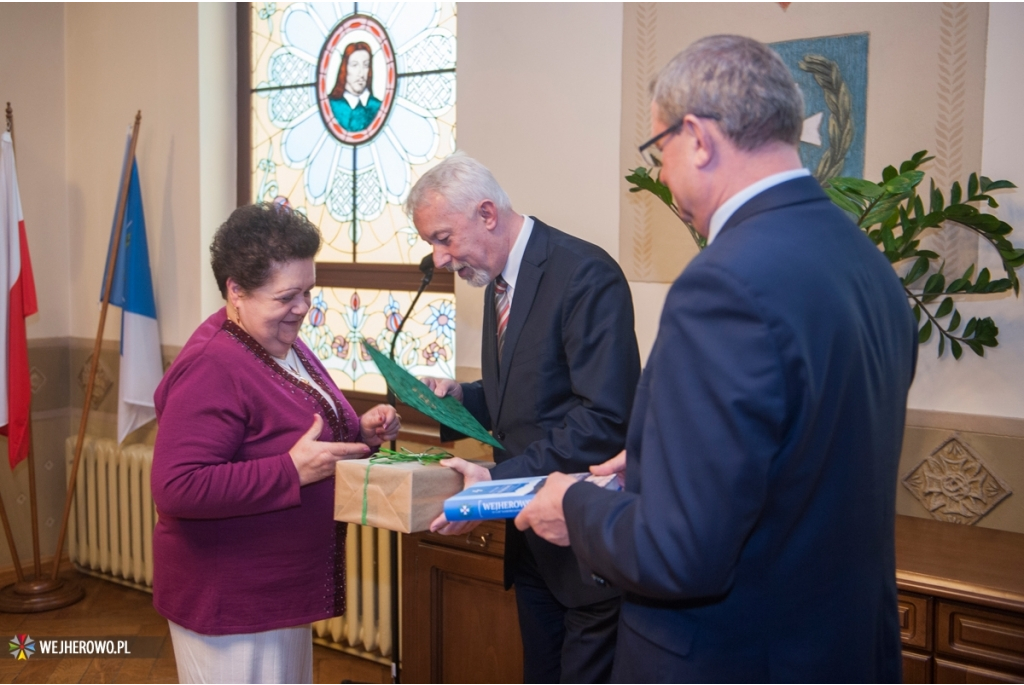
(917, 667)
(953, 672)
(971, 632)
(459, 623)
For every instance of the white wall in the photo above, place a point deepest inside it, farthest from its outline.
(218, 139)
(539, 103)
(32, 80)
(122, 58)
(991, 385)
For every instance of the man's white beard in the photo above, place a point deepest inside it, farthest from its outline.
(477, 278)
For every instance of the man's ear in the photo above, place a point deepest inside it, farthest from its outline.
(704, 142)
(488, 211)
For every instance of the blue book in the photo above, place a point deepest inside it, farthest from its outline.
(503, 499)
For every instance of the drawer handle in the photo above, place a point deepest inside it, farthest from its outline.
(481, 540)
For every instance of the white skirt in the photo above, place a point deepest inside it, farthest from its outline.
(275, 656)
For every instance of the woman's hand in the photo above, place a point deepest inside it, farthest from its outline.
(379, 425)
(315, 460)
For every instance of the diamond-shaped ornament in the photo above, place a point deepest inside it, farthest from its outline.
(955, 485)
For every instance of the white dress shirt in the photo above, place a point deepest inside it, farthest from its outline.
(730, 206)
(515, 257)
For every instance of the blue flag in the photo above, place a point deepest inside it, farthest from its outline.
(132, 290)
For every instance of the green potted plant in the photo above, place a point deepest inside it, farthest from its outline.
(892, 214)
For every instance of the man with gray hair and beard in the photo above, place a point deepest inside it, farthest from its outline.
(560, 364)
(755, 539)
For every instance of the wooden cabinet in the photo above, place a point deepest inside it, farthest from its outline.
(961, 601)
(459, 625)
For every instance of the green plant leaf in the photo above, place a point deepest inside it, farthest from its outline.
(954, 322)
(642, 179)
(937, 201)
(972, 186)
(904, 183)
(983, 277)
(954, 193)
(858, 186)
(917, 313)
(969, 328)
(889, 173)
(843, 202)
(882, 210)
(942, 344)
(988, 184)
(925, 332)
(916, 271)
(957, 350)
(934, 284)
(945, 308)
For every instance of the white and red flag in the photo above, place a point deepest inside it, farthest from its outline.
(17, 302)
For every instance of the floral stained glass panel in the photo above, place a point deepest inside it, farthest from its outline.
(342, 317)
(351, 104)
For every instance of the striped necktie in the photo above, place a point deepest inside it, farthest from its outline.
(502, 305)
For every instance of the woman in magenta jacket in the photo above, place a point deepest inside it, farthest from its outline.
(246, 551)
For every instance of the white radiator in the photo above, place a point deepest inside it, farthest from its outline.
(110, 535)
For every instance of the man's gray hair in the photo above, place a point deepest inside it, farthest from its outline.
(738, 79)
(462, 181)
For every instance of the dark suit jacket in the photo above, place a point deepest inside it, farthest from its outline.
(755, 541)
(562, 397)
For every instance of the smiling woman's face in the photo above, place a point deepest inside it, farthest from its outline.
(273, 313)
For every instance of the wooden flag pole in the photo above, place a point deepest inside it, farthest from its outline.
(87, 402)
(37, 593)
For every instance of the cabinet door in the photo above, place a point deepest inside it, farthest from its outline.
(991, 637)
(917, 667)
(460, 625)
(953, 672)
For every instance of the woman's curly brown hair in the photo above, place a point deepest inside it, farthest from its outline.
(257, 237)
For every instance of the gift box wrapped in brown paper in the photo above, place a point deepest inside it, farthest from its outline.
(404, 497)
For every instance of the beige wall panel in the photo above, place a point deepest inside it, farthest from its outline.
(990, 385)
(32, 67)
(539, 103)
(926, 69)
(218, 139)
(122, 58)
(1000, 455)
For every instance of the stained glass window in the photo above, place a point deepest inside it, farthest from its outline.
(342, 317)
(350, 104)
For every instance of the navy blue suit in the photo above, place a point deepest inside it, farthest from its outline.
(755, 539)
(560, 400)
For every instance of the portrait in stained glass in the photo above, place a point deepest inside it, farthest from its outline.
(350, 104)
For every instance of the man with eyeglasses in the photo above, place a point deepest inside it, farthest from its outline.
(755, 539)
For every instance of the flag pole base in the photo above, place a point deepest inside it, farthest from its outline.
(39, 594)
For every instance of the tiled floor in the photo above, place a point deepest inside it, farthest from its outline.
(111, 610)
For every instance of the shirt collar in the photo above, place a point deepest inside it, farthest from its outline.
(515, 255)
(354, 100)
(730, 206)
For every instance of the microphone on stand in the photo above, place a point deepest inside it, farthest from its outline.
(427, 267)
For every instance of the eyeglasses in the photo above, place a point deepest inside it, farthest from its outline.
(649, 150)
